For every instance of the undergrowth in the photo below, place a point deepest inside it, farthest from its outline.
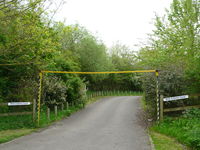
(186, 129)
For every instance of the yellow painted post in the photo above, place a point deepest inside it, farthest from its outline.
(39, 98)
(157, 96)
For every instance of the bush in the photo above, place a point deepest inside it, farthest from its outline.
(63, 89)
(171, 83)
(76, 90)
(55, 90)
(192, 113)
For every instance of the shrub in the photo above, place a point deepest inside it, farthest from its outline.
(55, 90)
(171, 83)
(76, 90)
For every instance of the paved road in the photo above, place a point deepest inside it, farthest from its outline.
(109, 124)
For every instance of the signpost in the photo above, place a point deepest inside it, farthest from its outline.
(18, 103)
(175, 98)
(167, 99)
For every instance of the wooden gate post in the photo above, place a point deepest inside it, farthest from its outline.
(34, 110)
(56, 110)
(67, 105)
(161, 108)
(48, 114)
(62, 106)
(39, 98)
(157, 96)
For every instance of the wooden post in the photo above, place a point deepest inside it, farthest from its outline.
(48, 113)
(161, 107)
(83, 102)
(56, 110)
(67, 105)
(34, 110)
(62, 106)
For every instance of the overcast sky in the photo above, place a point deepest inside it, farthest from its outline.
(127, 21)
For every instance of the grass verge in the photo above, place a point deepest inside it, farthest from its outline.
(8, 135)
(185, 128)
(163, 142)
(172, 133)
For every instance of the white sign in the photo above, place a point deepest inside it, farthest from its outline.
(175, 98)
(18, 103)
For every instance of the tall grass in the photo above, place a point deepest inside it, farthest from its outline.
(186, 129)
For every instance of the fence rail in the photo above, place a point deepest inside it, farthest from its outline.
(164, 110)
(16, 113)
(20, 104)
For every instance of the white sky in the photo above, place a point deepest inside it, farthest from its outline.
(127, 21)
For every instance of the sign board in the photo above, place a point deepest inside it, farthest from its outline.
(19, 103)
(175, 98)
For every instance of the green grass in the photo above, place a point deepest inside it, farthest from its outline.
(163, 142)
(8, 135)
(16, 122)
(172, 131)
(15, 126)
(186, 129)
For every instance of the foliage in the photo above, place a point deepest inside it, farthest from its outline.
(185, 129)
(55, 90)
(30, 38)
(174, 51)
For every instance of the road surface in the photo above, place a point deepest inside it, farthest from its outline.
(109, 124)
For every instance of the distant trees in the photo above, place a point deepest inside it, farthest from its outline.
(28, 36)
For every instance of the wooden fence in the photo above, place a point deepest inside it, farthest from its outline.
(20, 104)
(54, 109)
(165, 110)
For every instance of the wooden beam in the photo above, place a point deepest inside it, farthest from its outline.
(194, 95)
(3, 104)
(180, 108)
